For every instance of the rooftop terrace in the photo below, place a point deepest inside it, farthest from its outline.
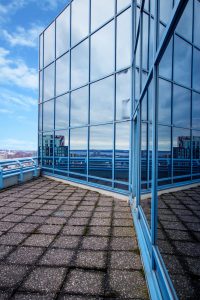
(63, 242)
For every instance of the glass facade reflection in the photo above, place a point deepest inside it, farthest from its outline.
(119, 103)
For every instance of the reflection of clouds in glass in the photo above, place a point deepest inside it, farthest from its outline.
(196, 23)
(102, 52)
(164, 102)
(80, 64)
(181, 106)
(101, 137)
(101, 11)
(40, 117)
(196, 110)
(41, 51)
(62, 75)
(122, 136)
(196, 69)
(102, 100)
(182, 61)
(63, 32)
(49, 44)
(40, 75)
(78, 139)
(184, 28)
(122, 4)
(48, 115)
(49, 82)
(165, 66)
(62, 112)
(165, 10)
(164, 139)
(80, 20)
(123, 90)
(79, 107)
(124, 39)
(145, 39)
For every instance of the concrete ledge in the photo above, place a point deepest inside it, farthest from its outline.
(88, 187)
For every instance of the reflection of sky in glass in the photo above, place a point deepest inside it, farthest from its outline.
(49, 44)
(62, 75)
(101, 137)
(48, 115)
(122, 4)
(101, 11)
(164, 102)
(123, 90)
(49, 82)
(63, 32)
(181, 106)
(62, 112)
(183, 26)
(80, 15)
(165, 10)
(196, 110)
(79, 107)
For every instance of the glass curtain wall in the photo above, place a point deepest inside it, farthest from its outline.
(85, 93)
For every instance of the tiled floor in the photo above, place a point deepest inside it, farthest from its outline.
(63, 242)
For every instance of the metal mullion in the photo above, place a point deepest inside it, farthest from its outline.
(55, 78)
(141, 46)
(89, 91)
(115, 95)
(69, 99)
(191, 100)
(154, 201)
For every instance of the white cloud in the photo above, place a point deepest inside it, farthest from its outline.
(5, 111)
(23, 37)
(13, 99)
(17, 72)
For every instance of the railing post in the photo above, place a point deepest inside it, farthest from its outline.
(1, 177)
(21, 176)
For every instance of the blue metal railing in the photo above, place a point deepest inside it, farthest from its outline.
(18, 167)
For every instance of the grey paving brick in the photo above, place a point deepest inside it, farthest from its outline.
(56, 221)
(44, 279)
(98, 231)
(70, 242)
(124, 260)
(73, 230)
(4, 250)
(122, 243)
(100, 221)
(40, 240)
(24, 255)
(91, 259)
(49, 229)
(57, 257)
(23, 228)
(12, 238)
(78, 221)
(11, 275)
(85, 282)
(95, 243)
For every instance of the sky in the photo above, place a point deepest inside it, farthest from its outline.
(21, 22)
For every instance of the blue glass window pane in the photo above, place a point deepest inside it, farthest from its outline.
(165, 10)
(102, 58)
(62, 74)
(80, 15)
(164, 152)
(61, 150)
(145, 40)
(62, 112)
(78, 150)
(41, 88)
(122, 4)
(101, 145)
(101, 11)
(49, 82)
(165, 66)
(196, 110)
(63, 32)
(49, 44)
(80, 65)
(79, 107)
(123, 98)
(181, 152)
(181, 106)
(102, 101)
(184, 26)
(124, 39)
(47, 150)
(196, 23)
(196, 153)
(41, 51)
(122, 151)
(48, 115)
(182, 61)
(196, 69)
(164, 102)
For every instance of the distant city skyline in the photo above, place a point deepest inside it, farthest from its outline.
(21, 22)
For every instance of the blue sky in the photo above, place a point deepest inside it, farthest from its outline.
(21, 21)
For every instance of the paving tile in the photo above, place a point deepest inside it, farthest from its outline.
(78, 221)
(77, 297)
(24, 255)
(11, 275)
(13, 218)
(82, 214)
(68, 242)
(57, 257)
(56, 221)
(91, 259)
(95, 243)
(44, 279)
(34, 296)
(122, 222)
(23, 228)
(73, 230)
(39, 240)
(49, 229)
(12, 238)
(24, 211)
(122, 243)
(34, 219)
(100, 221)
(62, 213)
(42, 213)
(126, 284)
(85, 282)
(124, 260)
(99, 231)
(123, 231)
(4, 226)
